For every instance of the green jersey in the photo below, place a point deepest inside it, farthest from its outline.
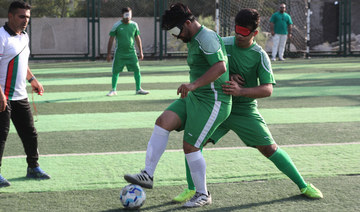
(281, 22)
(204, 50)
(252, 64)
(125, 35)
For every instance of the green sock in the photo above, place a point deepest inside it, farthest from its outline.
(284, 163)
(114, 80)
(137, 77)
(189, 180)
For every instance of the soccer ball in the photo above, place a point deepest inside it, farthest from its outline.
(132, 196)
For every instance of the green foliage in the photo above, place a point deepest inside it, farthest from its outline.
(57, 8)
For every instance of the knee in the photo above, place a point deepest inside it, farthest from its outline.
(188, 148)
(267, 150)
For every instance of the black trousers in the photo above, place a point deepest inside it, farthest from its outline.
(20, 113)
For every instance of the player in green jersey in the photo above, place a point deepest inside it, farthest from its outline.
(252, 78)
(125, 31)
(201, 108)
(280, 27)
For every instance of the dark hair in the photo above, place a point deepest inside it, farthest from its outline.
(248, 18)
(176, 16)
(18, 5)
(125, 10)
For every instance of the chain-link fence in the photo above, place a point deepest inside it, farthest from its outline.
(327, 19)
(80, 28)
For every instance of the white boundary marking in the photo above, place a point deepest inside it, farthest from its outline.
(180, 150)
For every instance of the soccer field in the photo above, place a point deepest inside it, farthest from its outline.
(88, 141)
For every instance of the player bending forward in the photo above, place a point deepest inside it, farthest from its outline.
(248, 64)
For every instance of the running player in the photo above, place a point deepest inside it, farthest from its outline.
(248, 64)
(125, 31)
(202, 106)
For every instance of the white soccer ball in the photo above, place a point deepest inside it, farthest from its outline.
(132, 196)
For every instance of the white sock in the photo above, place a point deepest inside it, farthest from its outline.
(197, 167)
(156, 147)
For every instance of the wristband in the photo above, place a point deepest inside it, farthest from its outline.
(31, 79)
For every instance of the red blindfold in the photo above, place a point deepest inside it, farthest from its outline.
(242, 30)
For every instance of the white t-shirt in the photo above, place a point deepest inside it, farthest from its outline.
(14, 57)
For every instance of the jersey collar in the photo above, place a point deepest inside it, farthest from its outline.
(10, 31)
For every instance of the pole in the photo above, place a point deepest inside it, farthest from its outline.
(217, 18)
(309, 12)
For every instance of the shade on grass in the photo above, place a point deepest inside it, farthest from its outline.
(118, 120)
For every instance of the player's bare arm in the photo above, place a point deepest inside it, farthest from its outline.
(110, 44)
(139, 44)
(35, 84)
(261, 91)
(210, 75)
(3, 101)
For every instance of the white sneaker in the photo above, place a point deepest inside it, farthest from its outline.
(273, 59)
(142, 179)
(198, 200)
(141, 91)
(111, 93)
(281, 59)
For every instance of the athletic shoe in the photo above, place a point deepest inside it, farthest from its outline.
(184, 196)
(37, 173)
(111, 93)
(141, 91)
(198, 200)
(281, 59)
(273, 59)
(312, 192)
(4, 182)
(142, 179)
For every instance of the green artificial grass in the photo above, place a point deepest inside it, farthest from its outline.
(120, 120)
(105, 171)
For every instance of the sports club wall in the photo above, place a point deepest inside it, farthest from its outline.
(68, 36)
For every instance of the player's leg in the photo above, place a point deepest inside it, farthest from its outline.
(22, 119)
(282, 44)
(202, 121)
(4, 131)
(117, 67)
(135, 67)
(275, 46)
(190, 190)
(169, 120)
(253, 130)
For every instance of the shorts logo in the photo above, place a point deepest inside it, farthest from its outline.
(190, 134)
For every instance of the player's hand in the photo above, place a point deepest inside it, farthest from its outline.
(232, 88)
(3, 101)
(237, 78)
(141, 56)
(108, 58)
(37, 87)
(184, 89)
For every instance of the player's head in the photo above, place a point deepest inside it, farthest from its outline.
(126, 14)
(176, 20)
(18, 15)
(282, 8)
(246, 24)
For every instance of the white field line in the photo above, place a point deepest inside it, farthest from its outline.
(180, 150)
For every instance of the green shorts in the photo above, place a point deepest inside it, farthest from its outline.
(248, 124)
(199, 117)
(119, 62)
